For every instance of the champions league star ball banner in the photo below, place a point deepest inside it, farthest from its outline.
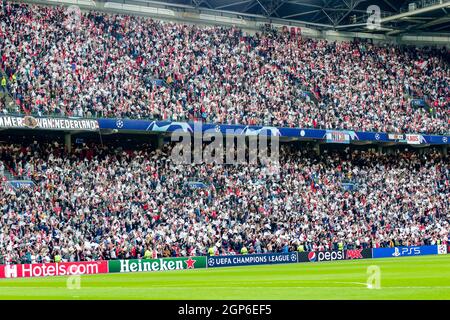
(251, 259)
(404, 251)
(331, 136)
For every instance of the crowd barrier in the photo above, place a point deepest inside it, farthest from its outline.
(186, 263)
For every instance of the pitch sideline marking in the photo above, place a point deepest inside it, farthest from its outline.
(222, 287)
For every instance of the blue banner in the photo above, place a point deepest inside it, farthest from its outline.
(404, 251)
(332, 136)
(158, 82)
(347, 186)
(251, 259)
(21, 184)
(418, 103)
(141, 126)
(197, 185)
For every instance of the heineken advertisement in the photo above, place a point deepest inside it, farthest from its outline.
(163, 264)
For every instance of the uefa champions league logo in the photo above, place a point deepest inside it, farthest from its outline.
(119, 123)
(211, 262)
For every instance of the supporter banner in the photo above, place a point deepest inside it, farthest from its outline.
(410, 138)
(397, 137)
(414, 139)
(358, 254)
(404, 251)
(339, 136)
(162, 264)
(317, 256)
(299, 133)
(52, 269)
(251, 259)
(29, 122)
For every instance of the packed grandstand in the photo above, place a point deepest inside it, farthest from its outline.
(129, 66)
(100, 201)
(106, 203)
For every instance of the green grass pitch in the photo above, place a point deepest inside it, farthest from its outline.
(401, 278)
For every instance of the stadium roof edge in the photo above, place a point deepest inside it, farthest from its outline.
(351, 15)
(175, 11)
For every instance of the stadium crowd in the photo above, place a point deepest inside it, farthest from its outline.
(107, 203)
(100, 65)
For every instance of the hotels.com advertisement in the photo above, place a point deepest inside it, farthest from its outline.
(53, 269)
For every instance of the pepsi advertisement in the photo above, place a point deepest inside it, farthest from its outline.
(332, 136)
(251, 259)
(404, 251)
(317, 256)
(350, 254)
